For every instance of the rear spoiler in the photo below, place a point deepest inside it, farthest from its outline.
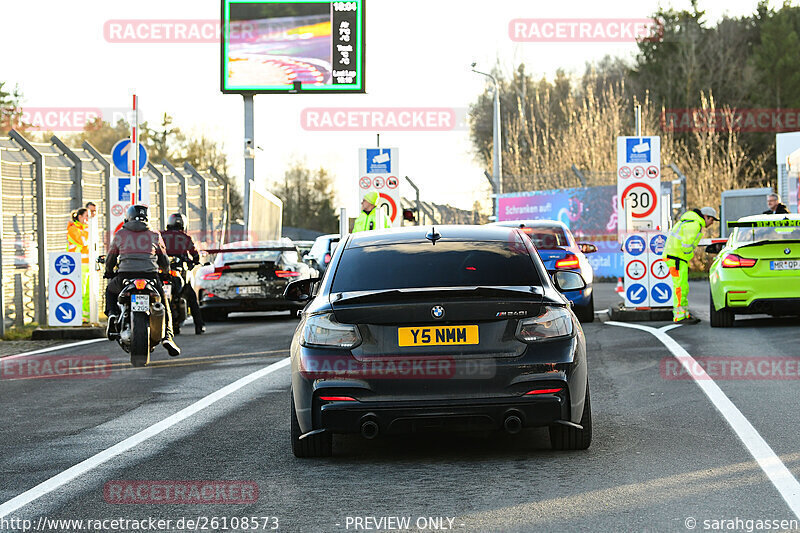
(785, 223)
(250, 249)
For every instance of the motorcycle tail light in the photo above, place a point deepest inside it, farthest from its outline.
(140, 284)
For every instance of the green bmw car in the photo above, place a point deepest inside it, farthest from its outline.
(757, 270)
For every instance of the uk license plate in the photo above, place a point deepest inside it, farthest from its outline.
(140, 302)
(249, 290)
(793, 264)
(437, 336)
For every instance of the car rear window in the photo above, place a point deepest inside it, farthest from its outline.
(447, 264)
(547, 238)
(746, 235)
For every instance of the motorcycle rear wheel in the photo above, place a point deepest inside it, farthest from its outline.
(140, 339)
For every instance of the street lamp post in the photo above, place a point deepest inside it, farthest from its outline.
(497, 164)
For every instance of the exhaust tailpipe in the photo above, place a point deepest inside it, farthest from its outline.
(369, 429)
(512, 424)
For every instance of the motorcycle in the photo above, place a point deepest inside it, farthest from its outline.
(142, 323)
(173, 290)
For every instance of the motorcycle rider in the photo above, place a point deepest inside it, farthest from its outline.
(180, 244)
(140, 253)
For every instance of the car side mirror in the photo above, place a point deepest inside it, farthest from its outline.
(587, 248)
(565, 280)
(715, 248)
(300, 290)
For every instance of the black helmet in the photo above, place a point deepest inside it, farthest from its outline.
(136, 212)
(176, 221)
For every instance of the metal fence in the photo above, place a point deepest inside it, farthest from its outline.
(42, 183)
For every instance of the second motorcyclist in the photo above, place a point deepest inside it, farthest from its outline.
(180, 244)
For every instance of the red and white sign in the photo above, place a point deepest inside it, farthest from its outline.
(117, 210)
(65, 288)
(385, 183)
(659, 269)
(642, 191)
(624, 172)
(636, 269)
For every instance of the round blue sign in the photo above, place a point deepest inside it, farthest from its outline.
(65, 265)
(661, 293)
(65, 312)
(120, 156)
(657, 244)
(635, 245)
(637, 293)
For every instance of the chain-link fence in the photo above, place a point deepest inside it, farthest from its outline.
(42, 183)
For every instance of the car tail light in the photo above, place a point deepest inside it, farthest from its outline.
(211, 276)
(140, 283)
(337, 399)
(209, 295)
(286, 273)
(568, 262)
(543, 391)
(324, 331)
(327, 258)
(173, 273)
(735, 261)
(554, 323)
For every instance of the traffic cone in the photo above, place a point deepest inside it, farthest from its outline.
(619, 288)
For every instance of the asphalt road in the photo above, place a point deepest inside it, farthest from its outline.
(662, 453)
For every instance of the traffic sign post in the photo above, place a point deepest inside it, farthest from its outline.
(65, 293)
(647, 282)
(638, 184)
(379, 171)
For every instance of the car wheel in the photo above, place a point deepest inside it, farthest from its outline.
(572, 438)
(214, 315)
(720, 319)
(319, 445)
(585, 313)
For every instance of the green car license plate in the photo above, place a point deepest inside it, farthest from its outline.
(793, 264)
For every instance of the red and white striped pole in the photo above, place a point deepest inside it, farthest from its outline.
(134, 152)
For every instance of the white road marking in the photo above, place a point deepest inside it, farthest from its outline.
(53, 348)
(770, 463)
(96, 460)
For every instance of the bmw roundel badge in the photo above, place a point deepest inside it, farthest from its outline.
(437, 311)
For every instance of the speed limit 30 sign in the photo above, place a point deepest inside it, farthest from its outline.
(638, 184)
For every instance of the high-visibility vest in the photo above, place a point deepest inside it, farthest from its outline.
(369, 221)
(78, 240)
(685, 236)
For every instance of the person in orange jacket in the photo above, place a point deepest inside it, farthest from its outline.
(78, 241)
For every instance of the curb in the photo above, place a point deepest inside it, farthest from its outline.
(81, 333)
(622, 314)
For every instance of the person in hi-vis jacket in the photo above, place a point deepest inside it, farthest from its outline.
(368, 218)
(78, 241)
(678, 251)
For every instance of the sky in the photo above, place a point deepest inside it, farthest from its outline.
(418, 55)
